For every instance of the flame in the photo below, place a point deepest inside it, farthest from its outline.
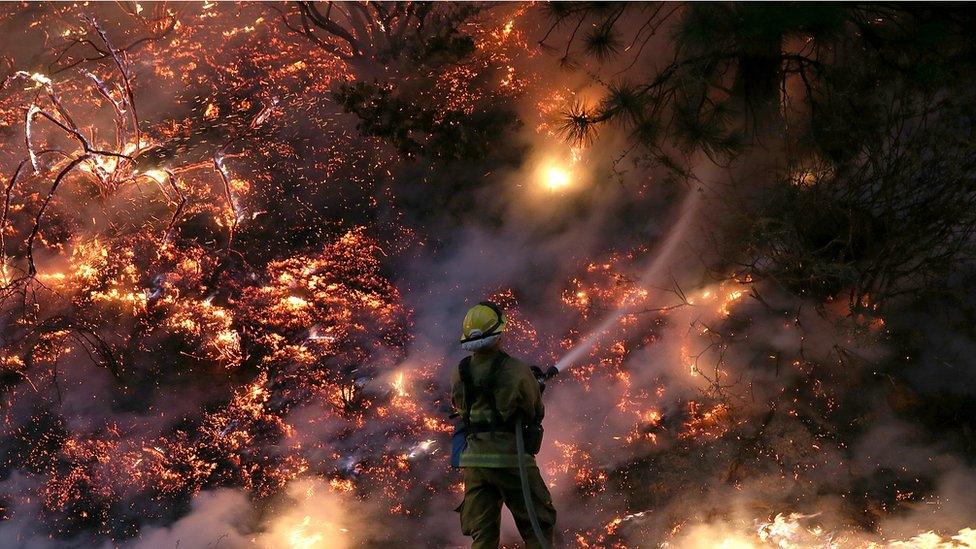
(299, 537)
(315, 518)
(399, 386)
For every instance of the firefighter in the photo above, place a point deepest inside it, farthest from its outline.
(490, 390)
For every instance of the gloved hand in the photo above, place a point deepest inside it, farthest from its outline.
(542, 377)
(539, 377)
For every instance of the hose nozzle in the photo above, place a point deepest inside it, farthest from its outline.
(543, 376)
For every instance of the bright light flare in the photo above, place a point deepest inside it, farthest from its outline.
(556, 170)
(556, 178)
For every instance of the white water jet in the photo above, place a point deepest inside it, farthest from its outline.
(663, 257)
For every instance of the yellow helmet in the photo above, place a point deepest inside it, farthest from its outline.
(482, 326)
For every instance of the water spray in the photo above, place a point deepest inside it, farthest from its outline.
(662, 258)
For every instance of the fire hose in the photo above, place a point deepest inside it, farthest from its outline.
(526, 492)
(541, 377)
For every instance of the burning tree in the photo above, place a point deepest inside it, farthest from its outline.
(192, 262)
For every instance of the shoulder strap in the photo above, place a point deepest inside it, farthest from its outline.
(472, 391)
(464, 369)
(496, 365)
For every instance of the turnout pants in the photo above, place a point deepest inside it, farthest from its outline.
(486, 489)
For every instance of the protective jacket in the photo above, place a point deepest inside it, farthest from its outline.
(516, 391)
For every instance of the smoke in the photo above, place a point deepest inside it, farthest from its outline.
(945, 526)
(217, 518)
(694, 406)
(309, 516)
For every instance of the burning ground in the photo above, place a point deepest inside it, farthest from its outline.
(237, 240)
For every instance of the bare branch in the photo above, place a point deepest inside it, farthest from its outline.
(31, 269)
